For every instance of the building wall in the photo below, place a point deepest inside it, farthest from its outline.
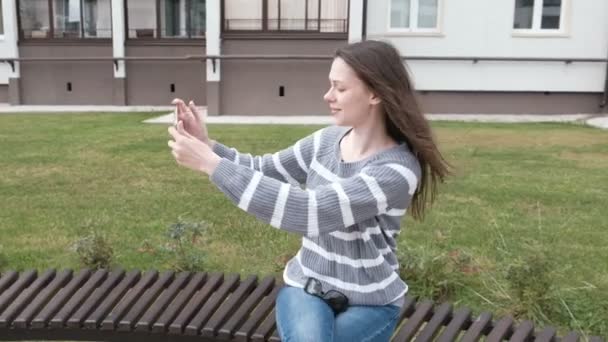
(487, 31)
(252, 87)
(149, 82)
(46, 83)
(3, 93)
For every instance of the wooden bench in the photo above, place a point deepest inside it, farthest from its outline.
(117, 306)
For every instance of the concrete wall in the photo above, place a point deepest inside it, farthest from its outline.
(149, 82)
(251, 87)
(46, 83)
(485, 28)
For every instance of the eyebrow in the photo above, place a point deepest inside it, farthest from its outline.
(335, 81)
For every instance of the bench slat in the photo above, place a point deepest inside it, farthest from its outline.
(257, 316)
(110, 322)
(7, 280)
(112, 298)
(211, 305)
(129, 320)
(95, 296)
(25, 297)
(175, 307)
(228, 308)
(237, 319)
(439, 319)
(479, 326)
(523, 332)
(195, 303)
(13, 291)
(42, 299)
(459, 322)
(57, 302)
(423, 311)
(266, 329)
(501, 330)
(547, 335)
(161, 303)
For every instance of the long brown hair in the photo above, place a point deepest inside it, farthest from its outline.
(380, 67)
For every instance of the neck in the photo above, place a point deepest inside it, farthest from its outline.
(367, 138)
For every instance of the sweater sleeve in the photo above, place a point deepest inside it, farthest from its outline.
(289, 165)
(381, 189)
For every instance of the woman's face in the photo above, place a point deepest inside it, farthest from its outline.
(349, 99)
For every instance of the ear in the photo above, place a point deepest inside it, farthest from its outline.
(374, 99)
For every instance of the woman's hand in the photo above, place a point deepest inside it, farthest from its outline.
(193, 120)
(190, 152)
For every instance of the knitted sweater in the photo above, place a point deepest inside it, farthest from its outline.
(348, 213)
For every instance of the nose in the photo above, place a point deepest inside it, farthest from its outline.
(328, 96)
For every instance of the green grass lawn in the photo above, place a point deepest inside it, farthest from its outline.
(519, 191)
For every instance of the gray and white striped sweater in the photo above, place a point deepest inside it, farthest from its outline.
(348, 213)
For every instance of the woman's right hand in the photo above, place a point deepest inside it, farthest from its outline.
(193, 120)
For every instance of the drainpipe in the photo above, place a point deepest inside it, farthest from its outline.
(604, 103)
(364, 26)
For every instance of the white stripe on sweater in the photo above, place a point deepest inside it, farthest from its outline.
(347, 214)
(316, 141)
(249, 191)
(279, 206)
(299, 158)
(357, 234)
(346, 285)
(313, 223)
(250, 160)
(282, 171)
(396, 212)
(236, 156)
(375, 189)
(341, 259)
(409, 176)
(323, 171)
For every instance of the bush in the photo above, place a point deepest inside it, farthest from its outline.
(94, 250)
(186, 246)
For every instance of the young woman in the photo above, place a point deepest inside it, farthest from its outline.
(359, 177)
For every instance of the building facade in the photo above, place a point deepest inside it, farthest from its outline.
(477, 56)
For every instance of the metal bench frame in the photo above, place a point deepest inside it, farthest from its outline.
(116, 305)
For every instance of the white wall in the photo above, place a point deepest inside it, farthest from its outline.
(484, 28)
(8, 41)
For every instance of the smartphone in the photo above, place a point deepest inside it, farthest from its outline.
(175, 118)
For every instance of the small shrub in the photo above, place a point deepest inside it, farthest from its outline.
(186, 246)
(94, 250)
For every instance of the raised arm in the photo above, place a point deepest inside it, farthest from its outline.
(289, 165)
(376, 190)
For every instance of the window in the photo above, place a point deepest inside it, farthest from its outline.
(320, 16)
(65, 19)
(538, 15)
(166, 18)
(414, 15)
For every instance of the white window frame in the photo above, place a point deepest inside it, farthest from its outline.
(537, 15)
(414, 29)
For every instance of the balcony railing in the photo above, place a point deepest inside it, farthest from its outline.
(287, 25)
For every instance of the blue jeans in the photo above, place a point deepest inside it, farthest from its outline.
(302, 317)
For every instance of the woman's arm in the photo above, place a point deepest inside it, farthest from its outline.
(289, 165)
(376, 190)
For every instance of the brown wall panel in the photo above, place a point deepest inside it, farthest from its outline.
(149, 82)
(3, 93)
(252, 87)
(46, 83)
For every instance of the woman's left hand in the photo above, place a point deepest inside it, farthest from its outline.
(191, 152)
